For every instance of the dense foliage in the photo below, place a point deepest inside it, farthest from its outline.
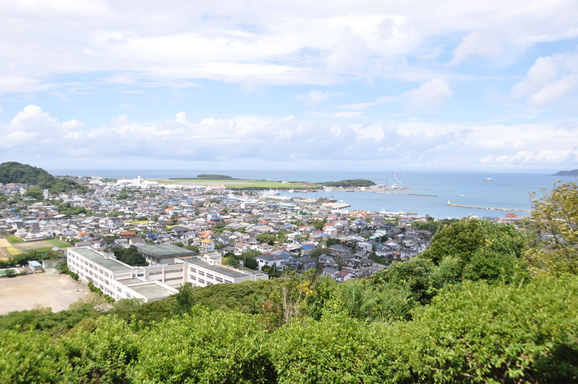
(13, 172)
(349, 183)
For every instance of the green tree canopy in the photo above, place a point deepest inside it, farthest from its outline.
(556, 216)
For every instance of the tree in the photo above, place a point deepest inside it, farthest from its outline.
(556, 218)
(184, 298)
(268, 238)
(35, 193)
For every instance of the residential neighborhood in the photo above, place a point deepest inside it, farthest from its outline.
(252, 231)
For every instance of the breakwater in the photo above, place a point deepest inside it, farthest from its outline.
(489, 208)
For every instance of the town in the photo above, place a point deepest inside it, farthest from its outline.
(230, 236)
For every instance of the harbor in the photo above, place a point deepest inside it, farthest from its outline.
(489, 208)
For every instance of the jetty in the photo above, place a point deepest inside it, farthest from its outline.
(489, 208)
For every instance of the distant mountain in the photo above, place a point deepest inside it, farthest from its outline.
(573, 172)
(13, 172)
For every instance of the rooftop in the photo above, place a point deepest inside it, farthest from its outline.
(217, 269)
(162, 251)
(110, 264)
(151, 290)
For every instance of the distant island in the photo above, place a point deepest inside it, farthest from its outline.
(205, 176)
(573, 172)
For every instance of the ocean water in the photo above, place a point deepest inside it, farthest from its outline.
(505, 190)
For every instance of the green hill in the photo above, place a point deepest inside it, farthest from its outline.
(573, 172)
(14, 172)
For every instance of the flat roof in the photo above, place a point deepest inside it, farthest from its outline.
(163, 251)
(110, 264)
(218, 269)
(150, 290)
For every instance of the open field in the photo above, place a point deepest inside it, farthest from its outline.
(14, 239)
(58, 243)
(13, 251)
(4, 253)
(238, 183)
(33, 245)
(25, 292)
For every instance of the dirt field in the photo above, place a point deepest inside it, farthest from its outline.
(33, 245)
(24, 292)
(3, 251)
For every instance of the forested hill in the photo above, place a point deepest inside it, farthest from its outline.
(573, 172)
(14, 172)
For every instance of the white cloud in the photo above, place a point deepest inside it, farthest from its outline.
(430, 95)
(34, 133)
(21, 84)
(304, 42)
(479, 43)
(549, 80)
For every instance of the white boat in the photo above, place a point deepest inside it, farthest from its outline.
(488, 178)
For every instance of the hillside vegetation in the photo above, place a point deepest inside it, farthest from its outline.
(485, 303)
(13, 172)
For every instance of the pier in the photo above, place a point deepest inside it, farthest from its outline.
(489, 208)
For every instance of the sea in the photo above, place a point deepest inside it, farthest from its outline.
(429, 194)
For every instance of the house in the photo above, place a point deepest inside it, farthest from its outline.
(207, 245)
(304, 263)
(270, 260)
(344, 275)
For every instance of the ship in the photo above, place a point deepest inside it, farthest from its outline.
(488, 178)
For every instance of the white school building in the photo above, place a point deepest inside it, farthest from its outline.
(153, 282)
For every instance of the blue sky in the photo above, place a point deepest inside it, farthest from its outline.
(412, 85)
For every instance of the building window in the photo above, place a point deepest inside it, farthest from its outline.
(201, 281)
(219, 280)
(201, 273)
(193, 270)
(155, 273)
(228, 282)
(209, 276)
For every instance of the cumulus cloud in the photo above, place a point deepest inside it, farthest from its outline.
(549, 80)
(34, 133)
(302, 42)
(479, 43)
(430, 95)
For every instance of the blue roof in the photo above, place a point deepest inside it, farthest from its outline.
(307, 246)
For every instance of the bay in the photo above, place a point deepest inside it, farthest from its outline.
(504, 190)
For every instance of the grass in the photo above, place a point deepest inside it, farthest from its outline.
(271, 185)
(35, 245)
(13, 251)
(243, 183)
(60, 244)
(14, 239)
(139, 222)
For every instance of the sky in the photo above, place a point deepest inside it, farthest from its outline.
(290, 85)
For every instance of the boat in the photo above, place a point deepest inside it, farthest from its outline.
(488, 178)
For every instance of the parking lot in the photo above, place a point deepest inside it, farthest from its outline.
(25, 292)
